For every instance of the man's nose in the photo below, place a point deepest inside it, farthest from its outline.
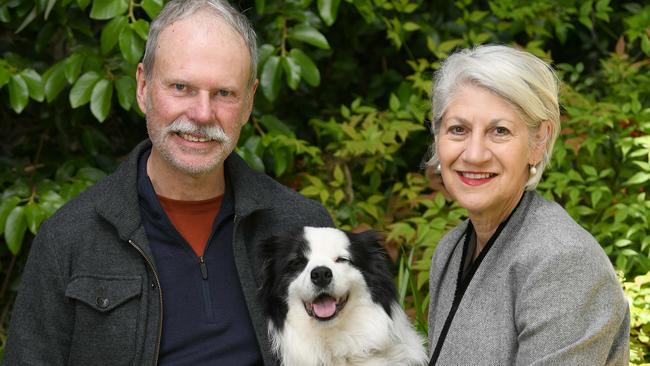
(201, 110)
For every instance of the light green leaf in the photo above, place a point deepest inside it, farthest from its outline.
(34, 84)
(28, 19)
(394, 103)
(83, 88)
(308, 34)
(152, 7)
(638, 178)
(131, 45)
(410, 26)
(274, 125)
(125, 86)
(141, 27)
(6, 206)
(90, 174)
(308, 69)
(338, 174)
(270, 80)
(54, 81)
(83, 4)
(72, 66)
(34, 216)
(328, 10)
(107, 9)
(4, 75)
(15, 228)
(111, 33)
(292, 71)
(264, 53)
(18, 93)
(100, 100)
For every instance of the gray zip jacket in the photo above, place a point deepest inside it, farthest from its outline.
(544, 294)
(90, 292)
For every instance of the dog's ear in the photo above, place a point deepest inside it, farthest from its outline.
(369, 255)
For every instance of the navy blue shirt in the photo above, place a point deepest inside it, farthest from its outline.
(205, 318)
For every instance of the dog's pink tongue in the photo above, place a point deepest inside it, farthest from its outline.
(325, 307)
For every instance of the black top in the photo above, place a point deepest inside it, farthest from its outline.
(205, 318)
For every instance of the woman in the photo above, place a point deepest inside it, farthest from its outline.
(520, 282)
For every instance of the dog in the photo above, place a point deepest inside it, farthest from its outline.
(330, 300)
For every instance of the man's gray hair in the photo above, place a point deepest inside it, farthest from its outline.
(526, 82)
(177, 10)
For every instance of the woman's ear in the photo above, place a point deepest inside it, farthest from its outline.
(540, 140)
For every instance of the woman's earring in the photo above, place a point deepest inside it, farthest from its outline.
(438, 169)
(533, 170)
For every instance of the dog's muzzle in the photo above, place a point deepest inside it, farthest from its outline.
(324, 306)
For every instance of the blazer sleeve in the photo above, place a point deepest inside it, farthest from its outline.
(42, 317)
(571, 310)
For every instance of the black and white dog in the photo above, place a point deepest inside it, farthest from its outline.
(330, 300)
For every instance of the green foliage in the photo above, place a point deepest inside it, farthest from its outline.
(344, 90)
(638, 295)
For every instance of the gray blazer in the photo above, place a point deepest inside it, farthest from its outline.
(545, 294)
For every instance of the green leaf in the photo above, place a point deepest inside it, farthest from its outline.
(54, 81)
(141, 27)
(152, 7)
(34, 216)
(259, 6)
(264, 53)
(18, 93)
(131, 46)
(394, 103)
(100, 100)
(4, 75)
(308, 34)
(4, 15)
(110, 33)
(83, 88)
(328, 10)
(6, 206)
(274, 125)
(90, 174)
(72, 66)
(125, 86)
(638, 178)
(282, 158)
(410, 26)
(83, 4)
(48, 8)
(292, 71)
(28, 19)
(107, 9)
(15, 228)
(308, 69)
(271, 75)
(34, 84)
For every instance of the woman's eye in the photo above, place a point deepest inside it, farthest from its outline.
(502, 131)
(342, 260)
(457, 130)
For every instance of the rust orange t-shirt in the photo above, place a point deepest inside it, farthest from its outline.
(192, 219)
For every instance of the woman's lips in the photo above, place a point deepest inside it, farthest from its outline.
(476, 178)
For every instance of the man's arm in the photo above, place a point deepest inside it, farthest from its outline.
(42, 318)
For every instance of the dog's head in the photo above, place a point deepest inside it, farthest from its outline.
(320, 271)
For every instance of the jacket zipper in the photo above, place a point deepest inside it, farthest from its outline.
(160, 300)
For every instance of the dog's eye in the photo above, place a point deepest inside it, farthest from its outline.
(297, 263)
(343, 260)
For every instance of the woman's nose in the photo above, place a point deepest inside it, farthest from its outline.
(476, 150)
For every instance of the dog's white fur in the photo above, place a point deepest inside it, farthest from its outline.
(362, 334)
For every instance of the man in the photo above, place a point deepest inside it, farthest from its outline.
(154, 264)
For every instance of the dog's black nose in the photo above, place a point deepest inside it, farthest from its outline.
(321, 276)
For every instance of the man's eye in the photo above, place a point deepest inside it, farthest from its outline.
(224, 93)
(180, 87)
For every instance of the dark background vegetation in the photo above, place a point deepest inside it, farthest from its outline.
(339, 116)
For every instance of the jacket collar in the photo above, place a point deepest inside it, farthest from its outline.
(119, 205)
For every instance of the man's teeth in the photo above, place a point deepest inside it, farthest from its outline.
(478, 175)
(193, 138)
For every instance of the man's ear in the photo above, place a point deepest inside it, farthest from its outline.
(141, 89)
(540, 140)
